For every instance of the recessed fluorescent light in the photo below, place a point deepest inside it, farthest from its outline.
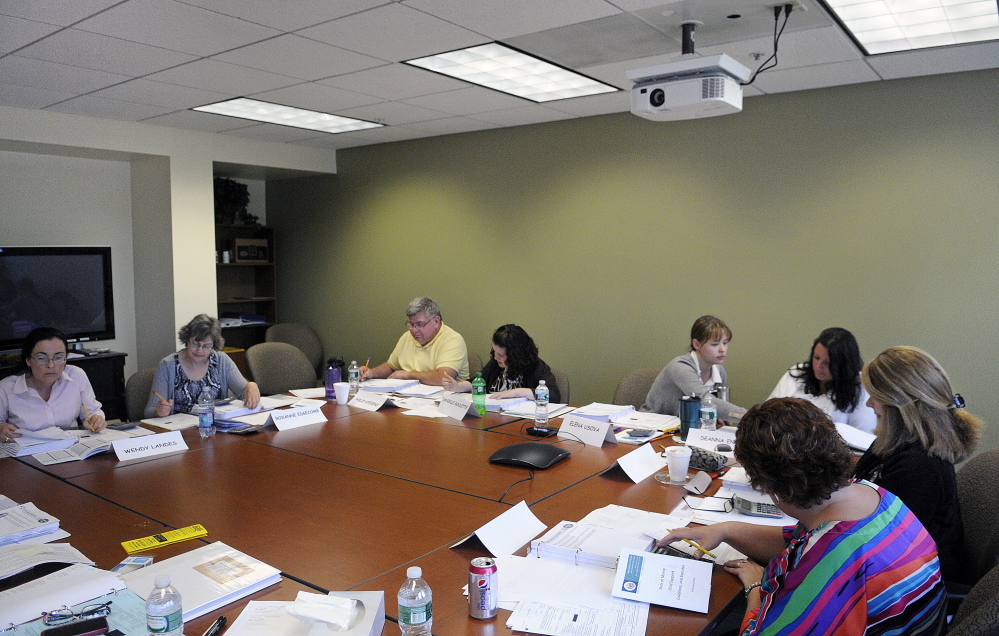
(256, 110)
(501, 68)
(885, 26)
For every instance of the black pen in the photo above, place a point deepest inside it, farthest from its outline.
(216, 626)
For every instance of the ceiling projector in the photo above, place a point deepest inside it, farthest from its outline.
(688, 88)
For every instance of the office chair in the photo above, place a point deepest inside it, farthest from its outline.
(978, 615)
(978, 494)
(278, 367)
(137, 391)
(474, 364)
(302, 336)
(562, 381)
(634, 387)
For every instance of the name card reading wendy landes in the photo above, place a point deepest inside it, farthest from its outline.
(368, 400)
(458, 405)
(588, 431)
(287, 419)
(149, 445)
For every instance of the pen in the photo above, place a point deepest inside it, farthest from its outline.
(694, 545)
(216, 626)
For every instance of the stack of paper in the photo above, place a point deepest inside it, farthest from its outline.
(18, 558)
(387, 385)
(208, 577)
(657, 421)
(528, 407)
(736, 479)
(19, 523)
(173, 422)
(69, 586)
(47, 439)
(583, 543)
(492, 404)
(603, 412)
(420, 390)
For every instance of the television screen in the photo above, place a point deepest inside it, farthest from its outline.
(68, 288)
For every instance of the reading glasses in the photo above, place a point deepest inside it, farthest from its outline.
(43, 359)
(65, 614)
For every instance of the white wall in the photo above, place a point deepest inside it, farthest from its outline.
(52, 200)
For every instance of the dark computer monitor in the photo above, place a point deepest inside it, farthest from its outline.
(68, 288)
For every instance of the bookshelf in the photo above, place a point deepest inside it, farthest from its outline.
(247, 284)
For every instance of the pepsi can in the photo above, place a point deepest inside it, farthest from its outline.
(482, 593)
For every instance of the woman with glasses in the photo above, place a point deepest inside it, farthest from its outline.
(857, 562)
(698, 372)
(45, 391)
(182, 376)
(830, 379)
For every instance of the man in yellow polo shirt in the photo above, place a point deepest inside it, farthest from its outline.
(427, 352)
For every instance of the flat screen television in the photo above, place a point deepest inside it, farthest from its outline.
(68, 288)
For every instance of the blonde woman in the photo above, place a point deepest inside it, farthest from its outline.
(923, 430)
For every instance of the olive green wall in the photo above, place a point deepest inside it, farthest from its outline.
(870, 207)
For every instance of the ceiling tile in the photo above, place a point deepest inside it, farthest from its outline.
(392, 113)
(619, 102)
(954, 59)
(467, 101)
(59, 12)
(92, 50)
(499, 20)
(213, 75)
(194, 120)
(313, 96)
(91, 106)
(17, 32)
(530, 114)
(287, 16)
(144, 91)
(395, 81)
(806, 78)
(450, 126)
(809, 47)
(57, 77)
(179, 27)
(273, 132)
(299, 57)
(30, 97)
(394, 33)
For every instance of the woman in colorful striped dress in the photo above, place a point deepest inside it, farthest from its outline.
(858, 562)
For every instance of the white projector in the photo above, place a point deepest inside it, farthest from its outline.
(688, 88)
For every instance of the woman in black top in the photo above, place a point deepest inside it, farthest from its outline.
(514, 368)
(923, 430)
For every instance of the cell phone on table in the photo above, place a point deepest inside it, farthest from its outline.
(86, 627)
(756, 508)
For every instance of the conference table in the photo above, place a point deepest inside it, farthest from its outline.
(344, 505)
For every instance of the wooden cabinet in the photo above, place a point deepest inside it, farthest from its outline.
(247, 284)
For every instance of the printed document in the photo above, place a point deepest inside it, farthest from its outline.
(663, 580)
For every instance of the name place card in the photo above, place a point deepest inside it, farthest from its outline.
(368, 401)
(458, 405)
(149, 445)
(587, 430)
(287, 419)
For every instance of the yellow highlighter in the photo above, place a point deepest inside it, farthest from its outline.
(165, 538)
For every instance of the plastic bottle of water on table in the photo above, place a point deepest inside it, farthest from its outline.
(415, 605)
(164, 610)
(206, 413)
(541, 404)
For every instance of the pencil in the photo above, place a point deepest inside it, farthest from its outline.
(87, 413)
(367, 365)
(694, 545)
(159, 396)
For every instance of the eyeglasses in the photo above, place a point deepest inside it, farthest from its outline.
(65, 614)
(728, 504)
(43, 359)
(418, 325)
(200, 346)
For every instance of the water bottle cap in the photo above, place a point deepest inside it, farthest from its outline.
(414, 572)
(162, 580)
(540, 382)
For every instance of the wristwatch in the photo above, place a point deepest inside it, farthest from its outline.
(751, 588)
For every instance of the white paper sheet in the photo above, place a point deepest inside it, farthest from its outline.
(19, 557)
(69, 586)
(619, 618)
(663, 580)
(508, 532)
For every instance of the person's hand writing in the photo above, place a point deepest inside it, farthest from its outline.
(7, 432)
(164, 408)
(251, 396)
(365, 374)
(747, 571)
(96, 423)
(449, 383)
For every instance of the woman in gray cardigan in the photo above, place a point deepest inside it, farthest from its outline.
(698, 372)
(182, 376)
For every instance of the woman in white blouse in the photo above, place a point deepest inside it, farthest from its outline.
(830, 379)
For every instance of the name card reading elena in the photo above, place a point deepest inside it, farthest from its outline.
(149, 445)
(588, 431)
(369, 401)
(458, 405)
(287, 419)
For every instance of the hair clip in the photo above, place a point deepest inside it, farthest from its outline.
(958, 402)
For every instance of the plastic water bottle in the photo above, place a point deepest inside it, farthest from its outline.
(541, 408)
(479, 394)
(331, 377)
(164, 612)
(709, 414)
(415, 604)
(354, 377)
(206, 413)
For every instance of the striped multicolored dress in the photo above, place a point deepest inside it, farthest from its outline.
(878, 575)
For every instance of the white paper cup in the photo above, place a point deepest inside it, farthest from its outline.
(342, 390)
(678, 461)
